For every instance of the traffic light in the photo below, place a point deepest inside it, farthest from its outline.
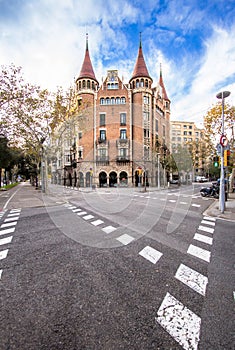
(226, 157)
(216, 161)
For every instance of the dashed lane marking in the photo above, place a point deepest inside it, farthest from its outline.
(180, 322)
(6, 240)
(82, 213)
(196, 205)
(203, 238)
(199, 253)
(76, 210)
(7, 231)
(88, 217)
(3, 254)
(150, 254)
(209, 218)
(8, 224)
(206, 229)
(125, 239)
(206, 222)
(192, 279)
(97, 222)
(11, 219)
(109, 229)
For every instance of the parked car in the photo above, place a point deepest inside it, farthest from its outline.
(201, 179)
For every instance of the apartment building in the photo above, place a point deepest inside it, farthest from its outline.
(188, 139)
(121, 124)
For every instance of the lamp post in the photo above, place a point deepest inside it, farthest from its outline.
(222, 95)
(158, 171)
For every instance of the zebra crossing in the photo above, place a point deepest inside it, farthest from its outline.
(7, 228)
(180, 198)
(177, 319)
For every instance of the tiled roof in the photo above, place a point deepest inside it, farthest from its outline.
(161, 83)
(87, 69)
(140, 69)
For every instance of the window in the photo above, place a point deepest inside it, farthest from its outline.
(123, 119)
(146, 100)
(80, 135)
(112, 100)
(123, 134)
(185, 132)
(146, 116)
(123, 152)
(190, 127)
(146, 133)
(102, 119)
(102, 152)
(156, 125)
(102, 101)
(123, 100)
(118, 100)
(190, 133)
(185, 126)
(163, 131)
(103, 135)
(178, 138)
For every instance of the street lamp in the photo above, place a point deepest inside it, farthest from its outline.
(222, 95)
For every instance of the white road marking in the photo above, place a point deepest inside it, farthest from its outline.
(72, 207)
(7, 230)
(209, 218)
(15, 211)
(109, 229)
(206, 229)
(76, 210)
(11, 219)
(180, 322)
(150, 254)
(192, 279)
(172, 200)
(203, 238)
(183, 203)
(0, 274)
(125, 239)
(88, 217)
(199, 253)
(97, 222)
(3, 254)
(6, 240)
(196, 205)
(8, 224)
(205, 222)
(82, 213)
(13, 214)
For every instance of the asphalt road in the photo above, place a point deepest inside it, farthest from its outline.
(115, 270)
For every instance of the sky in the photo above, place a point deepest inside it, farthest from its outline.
(193, 40)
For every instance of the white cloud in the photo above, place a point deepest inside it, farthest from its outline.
(216, 70)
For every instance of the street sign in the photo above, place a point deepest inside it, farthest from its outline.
(223, 140)
(219, 149)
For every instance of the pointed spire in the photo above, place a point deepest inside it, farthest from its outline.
(140, 69)
(87, 69)
(161, 83)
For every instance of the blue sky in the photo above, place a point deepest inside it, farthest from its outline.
(194, 41)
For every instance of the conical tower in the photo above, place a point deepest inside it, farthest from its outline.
(161, 83)
(87, 79)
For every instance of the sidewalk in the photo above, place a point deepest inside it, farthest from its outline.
(229, 212)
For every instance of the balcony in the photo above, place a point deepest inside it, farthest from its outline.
(122, 142)
(122, 159)
(101, 141)
(102, 160)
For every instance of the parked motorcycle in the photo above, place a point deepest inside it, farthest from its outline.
(210, 191)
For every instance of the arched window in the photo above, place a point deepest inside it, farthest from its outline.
(137, 83)
(112, 100)
(93, 85)
(123, 100)
(83, 84)
(107, 101)
(118, 101)
(80, 85)
(102, 101)
(88, 84)
(142, 83)
(146, 83)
